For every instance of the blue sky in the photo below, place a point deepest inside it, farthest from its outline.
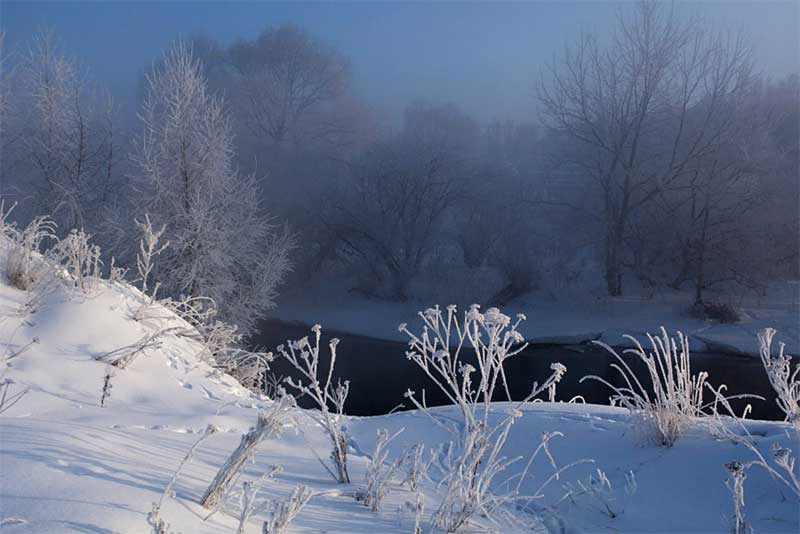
(483, 56)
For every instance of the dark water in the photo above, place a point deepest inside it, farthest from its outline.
(379, 372)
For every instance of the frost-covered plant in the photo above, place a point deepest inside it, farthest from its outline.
(329, 397)
(380, 473)
(221, 342)
(106, 391)
(247, 367)
(124, 356)
(284, 512)
(779, 463)
(270, 422)
(149, 248)
(551, 390)
(26, 267)
(737, 472)
(115, 272)
(597, 489)
(248, 497)
(677, 398)
(415, 466)
(157, 524)
(272, 385)
(419, 509)
(474, 459)
(80, 258)
(784, 380)
(7, 397)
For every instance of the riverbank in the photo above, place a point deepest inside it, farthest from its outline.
(570, 319)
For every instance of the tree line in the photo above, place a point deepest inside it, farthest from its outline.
(661, 159)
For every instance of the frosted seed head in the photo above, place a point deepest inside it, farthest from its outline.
(493, 317)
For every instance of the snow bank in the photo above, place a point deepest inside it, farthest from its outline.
(68, 465)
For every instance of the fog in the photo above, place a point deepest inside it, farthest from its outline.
(483, 57)
(413, 154)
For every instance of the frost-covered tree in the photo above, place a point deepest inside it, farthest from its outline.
(222, 245)
(67, 155)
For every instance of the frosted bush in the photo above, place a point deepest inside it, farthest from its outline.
(284, 512)
(474, 458)
(784, 380)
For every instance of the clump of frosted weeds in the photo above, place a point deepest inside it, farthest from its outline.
(474, 459)
(284, 512)
(676, 400)
(784, 380)
(380, 473)
(416, 467)
(26, 267)
(248, 504)
(80, 259)
(269, 422)
(328, 397)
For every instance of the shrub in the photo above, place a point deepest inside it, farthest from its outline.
(717, 311)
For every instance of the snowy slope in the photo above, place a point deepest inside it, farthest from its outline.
(69, 466)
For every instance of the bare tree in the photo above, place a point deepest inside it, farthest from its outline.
(69, 137)
(640, 111)
(286, 83)
(390, 215)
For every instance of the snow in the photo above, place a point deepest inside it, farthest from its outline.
(69, 466)
(571, 318)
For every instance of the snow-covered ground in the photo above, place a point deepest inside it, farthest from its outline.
(573, 317)
(68, 465)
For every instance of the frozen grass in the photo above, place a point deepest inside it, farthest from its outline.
(674, 401)
(25, 266)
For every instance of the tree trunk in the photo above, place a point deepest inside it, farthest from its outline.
(613, 272)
